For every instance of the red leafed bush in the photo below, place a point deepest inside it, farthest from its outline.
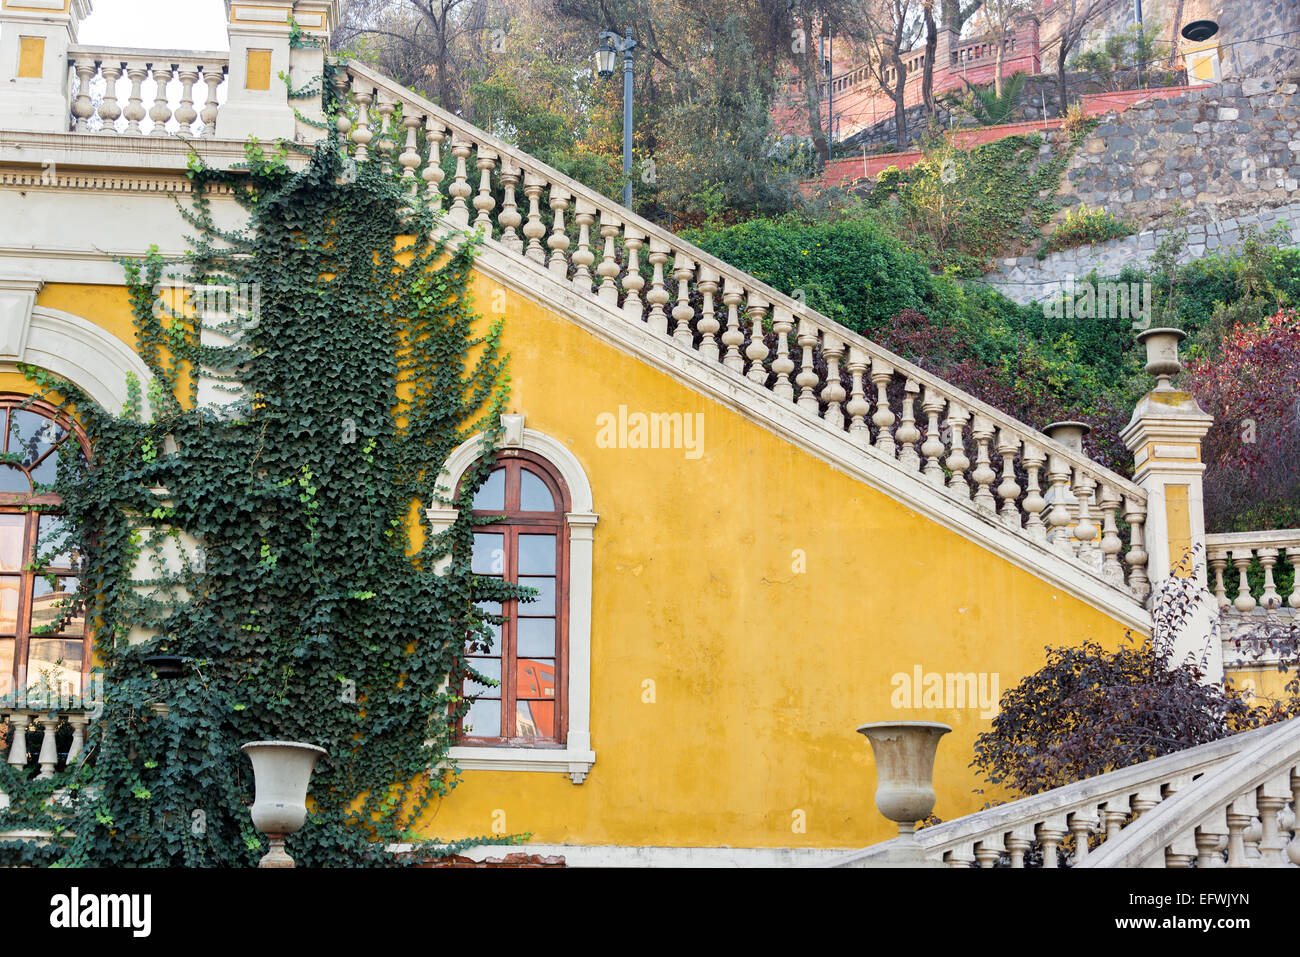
(1252, 453)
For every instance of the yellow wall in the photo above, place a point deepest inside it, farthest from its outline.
(761, 674)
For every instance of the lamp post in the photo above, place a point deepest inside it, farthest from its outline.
(612, 44)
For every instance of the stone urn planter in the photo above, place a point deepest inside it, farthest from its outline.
(1162, 354)
(281, 772)
(904, 752)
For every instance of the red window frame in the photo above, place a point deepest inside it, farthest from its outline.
(32, 506)
(515, 671)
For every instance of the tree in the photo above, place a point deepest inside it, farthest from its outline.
(887, 29)
(1089, 711)
(1075, 17)
(1000, 16)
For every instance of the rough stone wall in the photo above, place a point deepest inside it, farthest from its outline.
(1029, 279)
(1217, 152)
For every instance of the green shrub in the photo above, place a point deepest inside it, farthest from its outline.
(1084, 226)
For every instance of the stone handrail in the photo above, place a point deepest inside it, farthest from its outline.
(173, 76)
(1242, 549)
(925, 427)
(1104, 805)
(1217, 813)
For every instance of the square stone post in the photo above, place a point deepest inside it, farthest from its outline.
(34, 39)
(257, 101)
(1165, 436)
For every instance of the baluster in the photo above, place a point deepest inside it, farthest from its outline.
(212, 77)
(1218, 563)
(756, 351)
(1293, 559)
(1241, 813)
(882, 374)
(1293, 849)
(657, 318)
(708, 324)
(361, 133)
(732, 337)
(1050, 835)
(1135, 514)
(1114, 815)
(983, 474)
(186, 114)
(1009, 489)
(633, 281)
(48, 758)
(1081, 825)
(932, 447)
(1058, 515)
(534, 228)
(1033, 458)
(82, 107)
(434, 134)
(782, 364)
(1270, 798)
(963, 856)
(341, 122)
(988, 850)
(384, 106)
(584, 214)
(908, 434)
(1210, 837)
(1111, 546)
(683, 270)
(109, 111)
(833, 390)
(558, 240)
(485, 161)
(858, 406)
(18, 721)
(161, 112)
(410, 157)
(460, 189)
(608, 268)
(807, 379)
(78, 722)
(509, 218)
(957, 460)
(135, 111)
(1268, 558)
(1245, 602)
(1084, 530)
(1018, 842)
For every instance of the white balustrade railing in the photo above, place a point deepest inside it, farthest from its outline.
(1232, 556)
(988, 462)
(23, 725)
(1078, 823)
(146, 92)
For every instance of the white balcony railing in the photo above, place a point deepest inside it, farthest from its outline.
(146, 92)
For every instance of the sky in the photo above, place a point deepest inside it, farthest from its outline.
(157, 24)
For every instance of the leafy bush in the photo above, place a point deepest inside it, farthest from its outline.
(1084, 226)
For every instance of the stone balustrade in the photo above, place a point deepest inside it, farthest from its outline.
(32, 731)
(146, 92)
(1235, 558)
(1042, 490)
(1226, 782)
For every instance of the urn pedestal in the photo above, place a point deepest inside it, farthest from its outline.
(904, 752)
(281, 773)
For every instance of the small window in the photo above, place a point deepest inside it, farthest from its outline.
(527, 657)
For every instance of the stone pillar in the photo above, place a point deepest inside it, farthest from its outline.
(1165, 436)
(34, 74)
(257, 99)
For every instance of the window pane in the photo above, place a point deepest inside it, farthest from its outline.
(47, 471)
(6, 666)
(492, 495)
(490, 608)
(534, 496)
(535, 678)
(536, 637)
(53, 539)
(55, 664)
(488, 668)
(484, 719)
(537, 554)
(52, 605)
(534, 719)
(11, 541)
(12, 479)
(9, 585)
(544, 603)
(32, 435)
(489, 556)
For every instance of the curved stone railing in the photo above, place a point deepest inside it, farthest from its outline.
(1240, 550)
(132, 92)
(989, 463)
(1076, 824)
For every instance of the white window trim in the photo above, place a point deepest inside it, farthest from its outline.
(576, 758)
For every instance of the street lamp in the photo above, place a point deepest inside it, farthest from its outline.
(611, 44)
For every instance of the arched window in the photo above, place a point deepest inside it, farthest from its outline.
(529, 652)
(42, 637)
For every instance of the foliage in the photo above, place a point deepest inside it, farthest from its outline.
(985, 104)
(1084, 227)
(1089, 711)
(310, 609)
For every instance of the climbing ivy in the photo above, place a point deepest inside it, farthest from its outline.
(309, 602)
